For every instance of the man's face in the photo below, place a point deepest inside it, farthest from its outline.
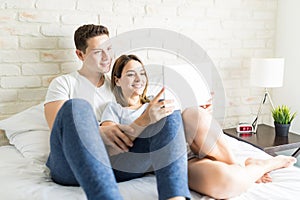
(97, 57)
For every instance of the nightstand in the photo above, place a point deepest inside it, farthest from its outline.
(266, 140)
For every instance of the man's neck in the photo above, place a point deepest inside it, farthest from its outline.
(97, 79)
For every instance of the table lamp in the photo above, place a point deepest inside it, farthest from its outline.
(266, 73)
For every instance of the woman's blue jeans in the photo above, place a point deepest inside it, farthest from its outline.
(78, 155)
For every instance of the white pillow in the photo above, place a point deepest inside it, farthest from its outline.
(31, 119)
(32, 144)
(29, 132)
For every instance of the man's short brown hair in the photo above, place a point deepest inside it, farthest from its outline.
(83, 33)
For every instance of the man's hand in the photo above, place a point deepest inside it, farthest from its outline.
(115, 136)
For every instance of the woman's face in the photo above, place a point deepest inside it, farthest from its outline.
(133, 79)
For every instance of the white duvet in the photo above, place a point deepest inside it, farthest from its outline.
(24, 178)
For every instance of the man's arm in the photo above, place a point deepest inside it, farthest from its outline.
(51, 110)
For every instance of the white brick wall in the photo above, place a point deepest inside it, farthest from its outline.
(36, 42)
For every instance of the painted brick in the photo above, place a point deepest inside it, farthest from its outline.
(32, 94)
(232, 43)
(242, 53)
(229, 3)
(242, 14)
(232, 83)
(232, 63)
(254, 43)
(9, 70)
(20, 82)
(17, 29)
(207, 44)
(58, 30)
(258, 4)
(254, 100)
(40, 69)
(38, 16)
(80, 18)
(264, 53)
(66, 43)
(7, 16)
(56, 4)
(163, 11)
(9, 42)
(219, 53)
(8, 96)
(244, 34)
(265, 34)
(218, 13)
(70, 67)
(20, 56)
(37, 37)
(105, 7)
(58, 55)
(200, 3)
(116, 21)
(239, 110)
(17, 4)
(46, 80)
(38, 43)
(264, 15)
(121, 7)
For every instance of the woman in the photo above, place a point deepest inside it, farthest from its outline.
(216, 173)
(154, 146)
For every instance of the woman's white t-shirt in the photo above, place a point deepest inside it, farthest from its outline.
(121, 115)
(74, 85)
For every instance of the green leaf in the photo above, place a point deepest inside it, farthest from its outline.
(282, 115)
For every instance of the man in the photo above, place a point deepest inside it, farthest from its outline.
(78, 156)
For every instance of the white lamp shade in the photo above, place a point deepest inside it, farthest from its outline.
(267, 72)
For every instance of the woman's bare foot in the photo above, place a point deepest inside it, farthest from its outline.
(271, 164)
(266, 178)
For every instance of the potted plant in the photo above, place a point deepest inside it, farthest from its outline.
(282, 119)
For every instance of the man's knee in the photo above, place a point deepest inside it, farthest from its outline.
(78, 103)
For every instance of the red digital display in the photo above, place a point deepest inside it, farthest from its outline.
(245, 128)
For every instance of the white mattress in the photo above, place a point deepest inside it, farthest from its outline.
(24, 178)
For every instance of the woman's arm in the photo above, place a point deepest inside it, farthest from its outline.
(155, 111)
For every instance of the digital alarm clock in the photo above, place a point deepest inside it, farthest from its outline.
(244, 128)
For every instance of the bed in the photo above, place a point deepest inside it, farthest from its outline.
(23, 174)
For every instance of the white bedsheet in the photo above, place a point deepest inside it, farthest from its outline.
(24, 178)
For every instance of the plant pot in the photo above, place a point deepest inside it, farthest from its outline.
(282, 130)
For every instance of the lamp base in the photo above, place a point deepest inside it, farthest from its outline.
(266, 95)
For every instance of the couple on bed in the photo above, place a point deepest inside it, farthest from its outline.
(105, 130)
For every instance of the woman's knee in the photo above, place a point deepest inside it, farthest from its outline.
(215, 179)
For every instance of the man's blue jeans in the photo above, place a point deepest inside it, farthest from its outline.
(78, 155)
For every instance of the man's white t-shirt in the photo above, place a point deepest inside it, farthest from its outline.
(74, 85)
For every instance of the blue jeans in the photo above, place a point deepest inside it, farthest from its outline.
(78, 155)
